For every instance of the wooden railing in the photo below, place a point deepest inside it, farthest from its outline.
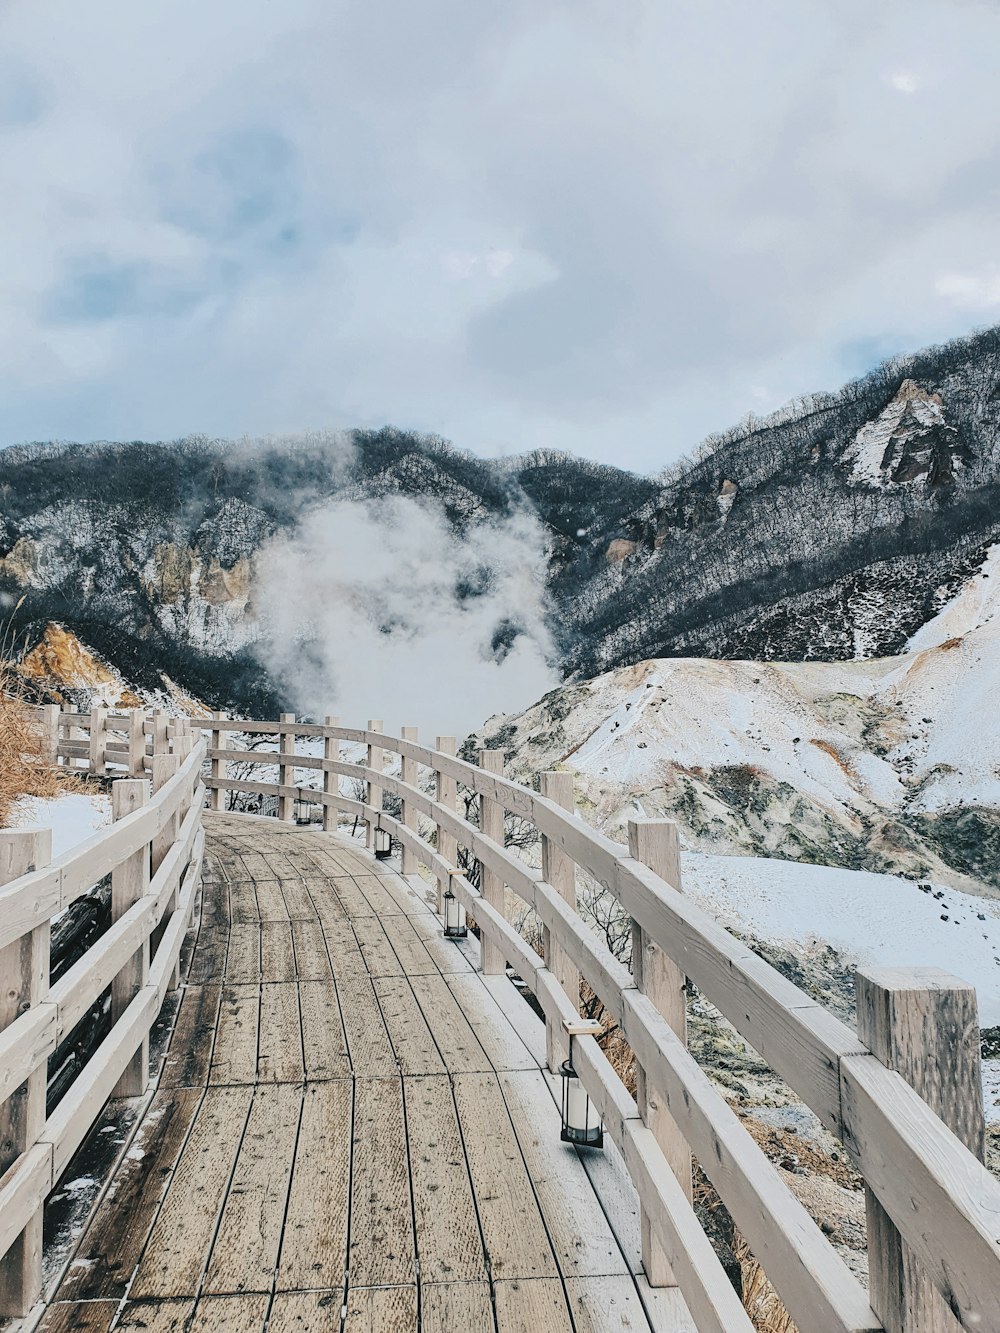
(903, 1096)
(152, 853)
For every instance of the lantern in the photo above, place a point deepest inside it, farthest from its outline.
(454, 916)
(581, 1123)
(303, 808)
(383, 844)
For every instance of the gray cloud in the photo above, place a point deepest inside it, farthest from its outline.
(610, 229)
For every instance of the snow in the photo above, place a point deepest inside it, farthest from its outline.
(868, 918)
(991, 1091)
(73, 818)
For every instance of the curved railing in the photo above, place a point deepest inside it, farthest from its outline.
(933, 1209)
(152, 853)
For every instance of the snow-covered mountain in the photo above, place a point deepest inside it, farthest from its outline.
(830, 531)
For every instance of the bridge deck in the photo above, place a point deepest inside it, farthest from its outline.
(351, 1130)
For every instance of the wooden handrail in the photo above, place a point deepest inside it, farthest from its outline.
(878, 1116)
(171, 819)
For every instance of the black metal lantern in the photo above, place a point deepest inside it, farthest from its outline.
(303, 805)
(382, 843)
(581, 1123)
(454, 916)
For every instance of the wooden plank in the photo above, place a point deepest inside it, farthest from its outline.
(109, 1249)
(156, 1317)
(381, 1241)
(235, 1314)
(271, 900)
(189, 1056)
(314, 1247)
(448, 1306)
(298, 903)
(279, 1048)
(175, 1255)
(245, 1252)
(416, 1051)
(501, 1044)
(243, 902)
(531, 1306)
(581, 1237)
(368, 1041)
(243, 960)
(605, 1305)
(234, 1057)
(80, 1317)
(277, 957)
(354, 900)
(411, 951)
(458, 1043)
(312, 962)
(449, 1245)
(306, 1312)
(516, 1242)
(323, 1041)
(443, 952)
(381, 1310)
(379, 955)
(342, 946)
(208, 962)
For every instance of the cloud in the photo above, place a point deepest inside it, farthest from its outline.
(369, 606)
(517, 225)
(972, 291)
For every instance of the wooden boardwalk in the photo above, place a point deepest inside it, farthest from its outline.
(351, 1130)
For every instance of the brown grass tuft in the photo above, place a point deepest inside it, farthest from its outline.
(24, 771)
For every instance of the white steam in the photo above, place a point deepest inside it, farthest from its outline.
(378, 610)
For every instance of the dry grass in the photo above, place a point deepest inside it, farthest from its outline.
(24, 770)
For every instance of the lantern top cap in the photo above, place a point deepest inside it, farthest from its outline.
(582, 1027)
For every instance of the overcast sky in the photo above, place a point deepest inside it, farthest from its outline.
(609, 226)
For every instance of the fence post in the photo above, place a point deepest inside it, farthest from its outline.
(559, 870)
(50, 734)
(137, 743)
(129, 881)
(286, 747)
(331, 781)
(217, 799)
(408, 774)
(656, 844)
(24, 980)
(447, 795)
(160, 722)
(923, 1023)
(376, 760)
(492, 960)
(98, 741)
(164, 768)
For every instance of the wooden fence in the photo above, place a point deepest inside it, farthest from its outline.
(902, 1093)
(152, 853)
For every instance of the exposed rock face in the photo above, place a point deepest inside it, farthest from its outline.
(620, 550)
(910, 441)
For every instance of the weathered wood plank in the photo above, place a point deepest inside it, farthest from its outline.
(312, 962)
(448, 1306)
(516, 1242)
(175, 1255)
(449, 1245)
(314, 1248)
(501, 1044)
(415, 1048)
(81, 1317)
(324, 1044)
(279, 1049)
(605, 1305)
(208, 962)
(298, 903)
(234, 1057)
(381, 1310)
(379, 955)
(235, 1314)
(455, 1037)
(245, 1252)
(243, 960)
(189, 1056)
(381, 1241)
(156, 1316)
(531, 1306)
(306, 1312)
(109, 1249)
(367, 1039)
(277, 957)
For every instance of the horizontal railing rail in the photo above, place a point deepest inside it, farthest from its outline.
(930, 1197)
(152, 853)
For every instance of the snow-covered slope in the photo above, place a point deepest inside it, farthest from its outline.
(888, 765)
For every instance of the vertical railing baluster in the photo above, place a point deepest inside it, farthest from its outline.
(447, 795)
(408, 774)
(376, 761)
(50, 734)
(331, 781)
(129, 882)
(559, 870)
(217, 799)
(492, 886)
(98, 741)
(165, 767)
(24, 981)
(286, 747)
(655, 843)
(137, 743)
